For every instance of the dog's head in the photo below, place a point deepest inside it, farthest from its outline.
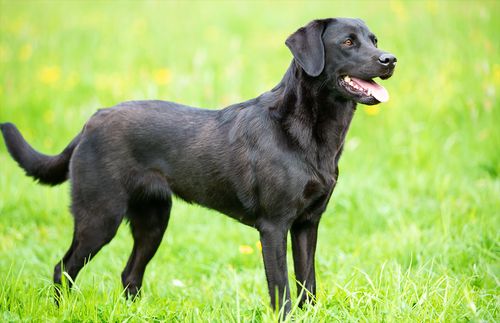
(343, 52)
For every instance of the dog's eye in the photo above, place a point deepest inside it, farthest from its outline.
(375, 41)
(348, 42)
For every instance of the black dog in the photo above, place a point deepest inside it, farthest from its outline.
(270, 162)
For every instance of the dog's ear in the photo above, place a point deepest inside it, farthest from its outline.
(306, 45)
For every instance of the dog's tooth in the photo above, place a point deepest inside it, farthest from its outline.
(347, 79)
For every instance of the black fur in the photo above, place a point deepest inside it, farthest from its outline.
(51, 170)
(270, 162)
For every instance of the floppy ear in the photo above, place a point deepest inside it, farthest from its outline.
(307, 47)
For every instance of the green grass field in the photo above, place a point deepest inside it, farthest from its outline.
(412, 232)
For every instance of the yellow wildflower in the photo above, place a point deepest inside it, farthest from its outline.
(496, 74)
(431, 7)
(246, 250)
(399, 9)
(162, 76)
(371, 110)
(258, 245)
(49, 74)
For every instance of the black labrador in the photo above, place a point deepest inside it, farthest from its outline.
(270, 162)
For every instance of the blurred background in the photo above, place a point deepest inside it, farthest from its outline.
(411, 232)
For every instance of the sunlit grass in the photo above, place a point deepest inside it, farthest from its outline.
(412, 232)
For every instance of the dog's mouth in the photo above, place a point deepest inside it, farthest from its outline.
(364, 91)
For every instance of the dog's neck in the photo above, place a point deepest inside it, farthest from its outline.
(313, 117)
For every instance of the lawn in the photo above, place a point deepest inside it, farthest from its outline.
(412, 232)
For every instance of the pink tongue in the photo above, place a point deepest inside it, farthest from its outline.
(378, 92)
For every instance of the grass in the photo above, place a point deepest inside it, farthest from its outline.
(412, 231)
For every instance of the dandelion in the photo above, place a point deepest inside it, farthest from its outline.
(16, 25)
(49, 74)
(431, 7)
(372, 110)
(399, 10)
(246, 250)
(162, 76)
(496, 74)
(258, 245)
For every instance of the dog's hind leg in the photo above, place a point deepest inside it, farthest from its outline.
(97, 217)
(148, 222)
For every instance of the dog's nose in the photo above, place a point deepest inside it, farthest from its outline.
(387, 59)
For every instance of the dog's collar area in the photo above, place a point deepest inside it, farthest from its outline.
(365, 88)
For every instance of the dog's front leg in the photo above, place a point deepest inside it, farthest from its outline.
(304, 237)
(273, 239)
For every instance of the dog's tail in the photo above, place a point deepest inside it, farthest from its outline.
(50, 170)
